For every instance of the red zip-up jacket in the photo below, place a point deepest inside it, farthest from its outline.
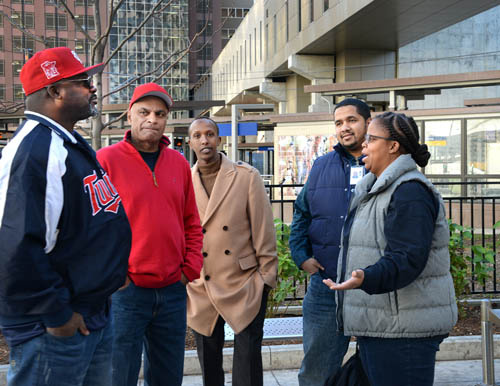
(162, 211)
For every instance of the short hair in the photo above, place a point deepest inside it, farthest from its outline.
(404, 130)
(207, 119)
(361, 107)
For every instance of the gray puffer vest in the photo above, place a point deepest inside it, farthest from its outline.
(424, 308)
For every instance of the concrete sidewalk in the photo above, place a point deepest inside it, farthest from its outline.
(459, 363)
(448, 373)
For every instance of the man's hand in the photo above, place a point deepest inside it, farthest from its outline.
(311, 266)
(355, 281)
(70, 328)
(184, 279)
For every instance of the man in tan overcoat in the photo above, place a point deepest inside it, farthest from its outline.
(240, 262)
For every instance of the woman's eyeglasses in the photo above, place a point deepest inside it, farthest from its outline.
(370, 137)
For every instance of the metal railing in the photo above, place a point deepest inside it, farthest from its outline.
(489, 318)
(479, 213)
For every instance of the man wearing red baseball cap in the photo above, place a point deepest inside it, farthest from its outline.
(155, 184)
(64, 233)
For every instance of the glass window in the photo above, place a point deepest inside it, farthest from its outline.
(53, 42)
(483, 146)
(1, 20)
(50, 21)
(1, 43)
(16, 67)
(25, 1)
(201, 24)
(2, 92)
(18, 92)
(89, 25)
(326, 5)
(2, 68)
(443, 140)
(29, 20)
(82, 2)
(80, 46)
(201, 6)
(17, 44)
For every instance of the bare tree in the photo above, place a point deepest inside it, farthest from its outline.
(100, 52)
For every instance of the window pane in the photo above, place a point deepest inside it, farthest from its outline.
(443, 140)
(483, 146)
(29, 20)
(16, 68)
(18, 92)
(2, 67)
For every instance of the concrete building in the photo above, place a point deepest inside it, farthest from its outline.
(303, 55)
(217, 20)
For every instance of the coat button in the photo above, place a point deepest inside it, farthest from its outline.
(225, 228)
(207, 277)
(203, 230)
(205, 254)
(227, 252)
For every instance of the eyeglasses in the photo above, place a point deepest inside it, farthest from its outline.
(86, 82)
(370, 137)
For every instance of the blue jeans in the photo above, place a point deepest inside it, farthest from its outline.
(156, 319)
(55, 361)
(399, 361)
(324, 347)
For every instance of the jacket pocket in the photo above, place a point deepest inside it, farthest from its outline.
(393, 300)
(247, 262)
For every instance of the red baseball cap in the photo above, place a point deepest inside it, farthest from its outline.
(51, 65)
(151, 89)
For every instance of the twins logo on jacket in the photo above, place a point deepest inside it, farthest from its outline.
(102, 193)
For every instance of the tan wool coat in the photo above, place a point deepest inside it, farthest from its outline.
(239, 249)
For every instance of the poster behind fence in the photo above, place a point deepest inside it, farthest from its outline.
(296, 155)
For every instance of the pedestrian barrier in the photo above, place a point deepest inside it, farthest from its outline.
(275, 329)
(489, 317)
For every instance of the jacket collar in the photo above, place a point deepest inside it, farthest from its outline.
(51, 124)
(164, 141)
(223, 183)
(371, 185)
(348, 156)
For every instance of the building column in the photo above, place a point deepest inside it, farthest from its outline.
(319, 69)
(276, 91)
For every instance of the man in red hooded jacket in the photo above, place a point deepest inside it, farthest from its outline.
(155, 185)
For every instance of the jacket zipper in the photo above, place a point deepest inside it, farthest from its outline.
(154, 179)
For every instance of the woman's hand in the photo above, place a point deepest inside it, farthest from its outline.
(355, 281)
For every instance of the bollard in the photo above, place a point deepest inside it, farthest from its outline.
(487, 343)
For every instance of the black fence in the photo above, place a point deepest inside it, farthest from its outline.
(471, 205)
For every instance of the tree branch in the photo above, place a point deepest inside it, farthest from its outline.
(119, 118)
(112, 15)
(21, 28)
(75, 20)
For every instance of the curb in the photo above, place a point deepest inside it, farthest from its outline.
(282, 357)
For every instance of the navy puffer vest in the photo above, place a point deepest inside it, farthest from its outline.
(328, 194)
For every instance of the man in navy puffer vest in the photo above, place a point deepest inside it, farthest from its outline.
(319, 214)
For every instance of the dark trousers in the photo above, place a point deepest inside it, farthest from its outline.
(399, 361)
(247, 358)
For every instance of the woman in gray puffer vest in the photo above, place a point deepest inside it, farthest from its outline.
(394, 260)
